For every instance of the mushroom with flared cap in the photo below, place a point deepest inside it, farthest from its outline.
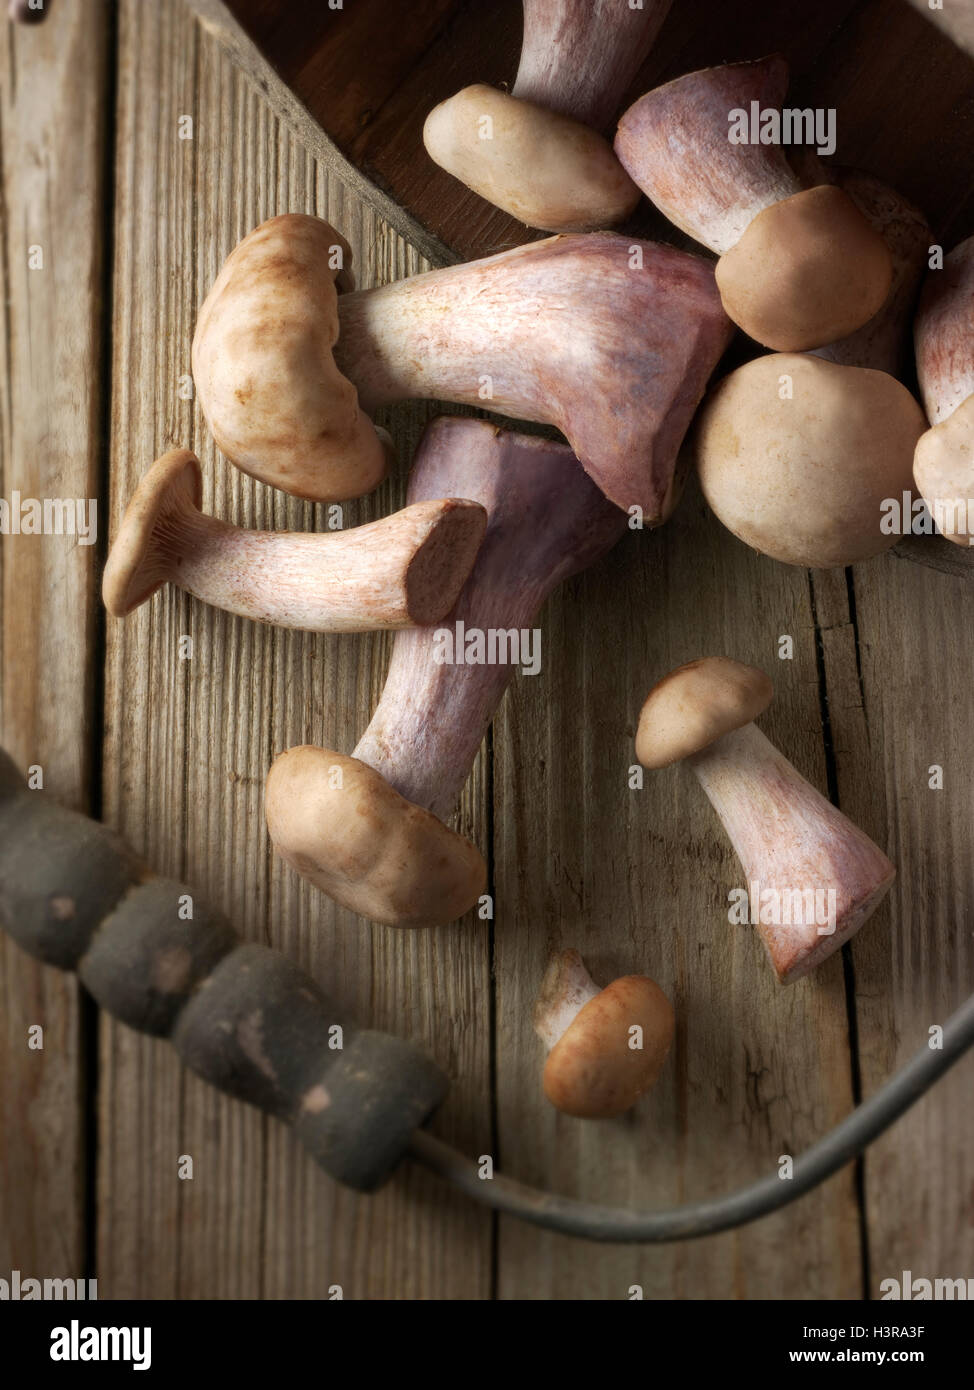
(798, 267)
(407, 568)
(800, 854)
(369, 830)
(524, 333)
(538, 152)
(944, 334)
(606, 1047)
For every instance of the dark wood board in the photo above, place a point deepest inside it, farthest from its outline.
(903, 92)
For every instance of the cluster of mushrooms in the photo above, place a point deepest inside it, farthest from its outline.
(611, 341)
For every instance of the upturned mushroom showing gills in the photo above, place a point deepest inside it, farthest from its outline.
(368, 830)
(944, 462)
(525, 333)
(606, 1047)
(813, 878)
(538, 152)
(796, 456)
(407, 568)
(799, 267)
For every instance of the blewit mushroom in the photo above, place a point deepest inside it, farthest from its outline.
(608, 339)
(802, 858)
(407, 568)
(799, 267)
(606, 1047)
(368, 830)
(538, 152)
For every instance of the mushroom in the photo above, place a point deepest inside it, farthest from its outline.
(801, 856)
(606, 1047)
(406, 568)
(525, 333)
(944, 462)
(796, 456)
(799, 267)
(263, 368)
(538, 152)
(545, 169)
(368, 830)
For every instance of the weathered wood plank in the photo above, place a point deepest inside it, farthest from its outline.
(189, 743)
(638, 881)
(52, 153)
(913, 712)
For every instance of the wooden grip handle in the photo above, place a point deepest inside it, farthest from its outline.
(242, 1016)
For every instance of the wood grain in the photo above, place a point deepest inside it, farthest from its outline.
(189, 743)
(53, 92)
(637, 880)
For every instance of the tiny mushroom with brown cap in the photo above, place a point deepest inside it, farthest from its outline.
(798, 267)
(537, 152)
(523, 333)
(606, 1047)
(407, 568)
(817, 876)
(368, 829)
(944, 462)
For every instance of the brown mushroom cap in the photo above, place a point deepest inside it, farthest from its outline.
(135, 567)
(265, 373)
(944, 470)
(592, 1071)
(796, 456)
(543, 168)
(341, 825)
(807, 271)
(695, 705)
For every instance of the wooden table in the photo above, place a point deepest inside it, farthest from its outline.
(133, 222)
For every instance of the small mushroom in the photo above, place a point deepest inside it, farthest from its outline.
(264, 369)
(524, 333)
(799, 267)
(368, 830)
(606, 1047)
(944, 462)
(801, 856)
(796, 456)
(538, 151)
(407, 568)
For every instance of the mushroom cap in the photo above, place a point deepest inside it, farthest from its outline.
(543, 168)
(796, 456)
(695, 705)
(807, 271)
(340, 825)
(944, 333)
(264, 369)
(944, 470)
(136, 568)
(592, 1071)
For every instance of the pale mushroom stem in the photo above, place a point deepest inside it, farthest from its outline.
(566, 988)
(792, 843)
(387, 574)
(546, 520)
(527, 332)
(579, 56)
